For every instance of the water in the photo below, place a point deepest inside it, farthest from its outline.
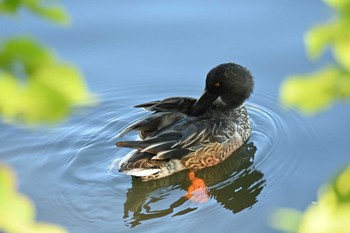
(135, 51)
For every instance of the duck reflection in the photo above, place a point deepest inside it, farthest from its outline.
(235, 184)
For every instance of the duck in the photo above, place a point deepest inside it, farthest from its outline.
(185, 133)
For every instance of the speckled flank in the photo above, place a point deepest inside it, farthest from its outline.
(212, 154)
(235, 133)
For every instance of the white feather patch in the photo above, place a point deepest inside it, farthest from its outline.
(142, 172)
(136, 171)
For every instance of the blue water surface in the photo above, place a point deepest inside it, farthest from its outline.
(136, 51)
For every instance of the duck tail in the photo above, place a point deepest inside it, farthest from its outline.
(135, 164)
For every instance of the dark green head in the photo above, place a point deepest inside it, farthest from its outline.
(230, 82)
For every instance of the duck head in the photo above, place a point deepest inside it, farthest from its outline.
(230, 83)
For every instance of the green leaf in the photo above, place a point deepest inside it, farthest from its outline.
(7, 183)
(331, 213)
(10, 6)
(318, 38)
(342, 51)
(315, 92)
(41, 8)
(64, 79)
(26, 52)
(286, 219)
(17, 212)
(11, 94)
(36, 87)
(41, 100)
(340, 5)
(42, 103)
(54, 13)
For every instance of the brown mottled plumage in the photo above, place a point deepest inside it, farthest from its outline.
(186, 133)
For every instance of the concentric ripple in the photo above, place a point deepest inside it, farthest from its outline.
(66, 170)
(274, 131)
(243, 176)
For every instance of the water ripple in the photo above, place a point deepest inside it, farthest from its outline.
(238, 180)
(75, 158)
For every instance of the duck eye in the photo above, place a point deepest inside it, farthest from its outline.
(216, 84)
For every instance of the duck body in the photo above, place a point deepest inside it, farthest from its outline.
(187, 133)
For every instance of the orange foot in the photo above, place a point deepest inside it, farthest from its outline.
(197, 192)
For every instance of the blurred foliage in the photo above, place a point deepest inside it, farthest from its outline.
(314, 92)
(35, 86)
(17, 213)
(39, 7)
(331, 213)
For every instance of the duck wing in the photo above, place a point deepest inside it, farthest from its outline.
(177, 140)
(169, 133)
(172, 104)
(166, 112)
(153, 123)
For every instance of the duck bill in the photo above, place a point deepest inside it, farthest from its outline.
(203, 103)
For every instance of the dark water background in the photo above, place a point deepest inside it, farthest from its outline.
(135, 51)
